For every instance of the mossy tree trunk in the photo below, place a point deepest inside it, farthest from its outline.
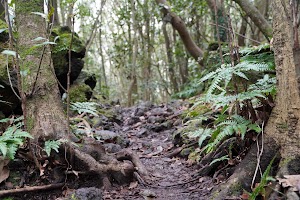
(44, 112)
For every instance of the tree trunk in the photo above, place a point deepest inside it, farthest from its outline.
(180, 27)
(170, 59)
(219, 18)
(242, 33)
(2, 12)
(283, 125)
(55, 14)
(257, 18)
(133, 88)
(44, 112)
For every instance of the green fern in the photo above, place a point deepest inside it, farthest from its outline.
(11, 140)
(85, 107)
(236, 125)
(52, 145)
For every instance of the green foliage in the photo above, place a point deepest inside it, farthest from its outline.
(233, 94)
(85, 107)
(223, 75)
(225, 126)
(226, 157)
(78, 92)
(260, 189)
(12, 138)
(52, 145)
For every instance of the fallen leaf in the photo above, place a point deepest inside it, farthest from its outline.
(4, 171)
(290, 181)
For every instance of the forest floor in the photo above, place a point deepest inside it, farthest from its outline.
(145, 129)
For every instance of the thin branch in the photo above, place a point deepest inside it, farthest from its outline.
(9, 79)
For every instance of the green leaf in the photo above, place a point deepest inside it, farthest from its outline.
(43, 15)
(45, 43)
(3, 148)
(9, 53)
(12, 150)
(219, 159)
(3, 29)
(38, 39)
(51, 144)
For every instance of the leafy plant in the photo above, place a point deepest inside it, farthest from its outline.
(225, 126)
(260, 189)
(53, 145)
(12, 138)
(84, 107)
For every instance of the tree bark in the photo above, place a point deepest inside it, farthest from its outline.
(257, 18)
(221, 21)
(55, 14)
(242, 33)
(133, 88)
(170, 59)
(2, 12)
(283, 124)
(180, 27)
(44, 112)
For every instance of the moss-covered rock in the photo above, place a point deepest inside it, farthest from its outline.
(60, 54)
(80, 92)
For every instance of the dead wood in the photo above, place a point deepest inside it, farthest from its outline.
(31, 189)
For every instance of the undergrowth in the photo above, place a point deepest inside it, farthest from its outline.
(236, 99)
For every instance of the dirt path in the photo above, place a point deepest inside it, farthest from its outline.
(149, 129)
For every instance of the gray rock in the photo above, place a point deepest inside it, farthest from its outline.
(90, 193)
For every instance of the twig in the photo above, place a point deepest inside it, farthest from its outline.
(259, 154)
(31, 189)
(9, 79)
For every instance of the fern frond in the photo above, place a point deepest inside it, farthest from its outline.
(51, 144)
(85, 107)
(3, 148)
(12, 150)
(226, 157)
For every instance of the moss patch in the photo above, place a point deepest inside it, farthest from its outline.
(78, 92)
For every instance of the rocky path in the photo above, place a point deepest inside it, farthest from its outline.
(149, 129)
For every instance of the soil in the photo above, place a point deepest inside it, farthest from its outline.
(145, 129)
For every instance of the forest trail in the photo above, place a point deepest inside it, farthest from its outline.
(149, 129)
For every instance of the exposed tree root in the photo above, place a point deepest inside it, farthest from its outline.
(134, 158)
(242, 176)
(31, 189)
(119, 168)
(206, 167)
